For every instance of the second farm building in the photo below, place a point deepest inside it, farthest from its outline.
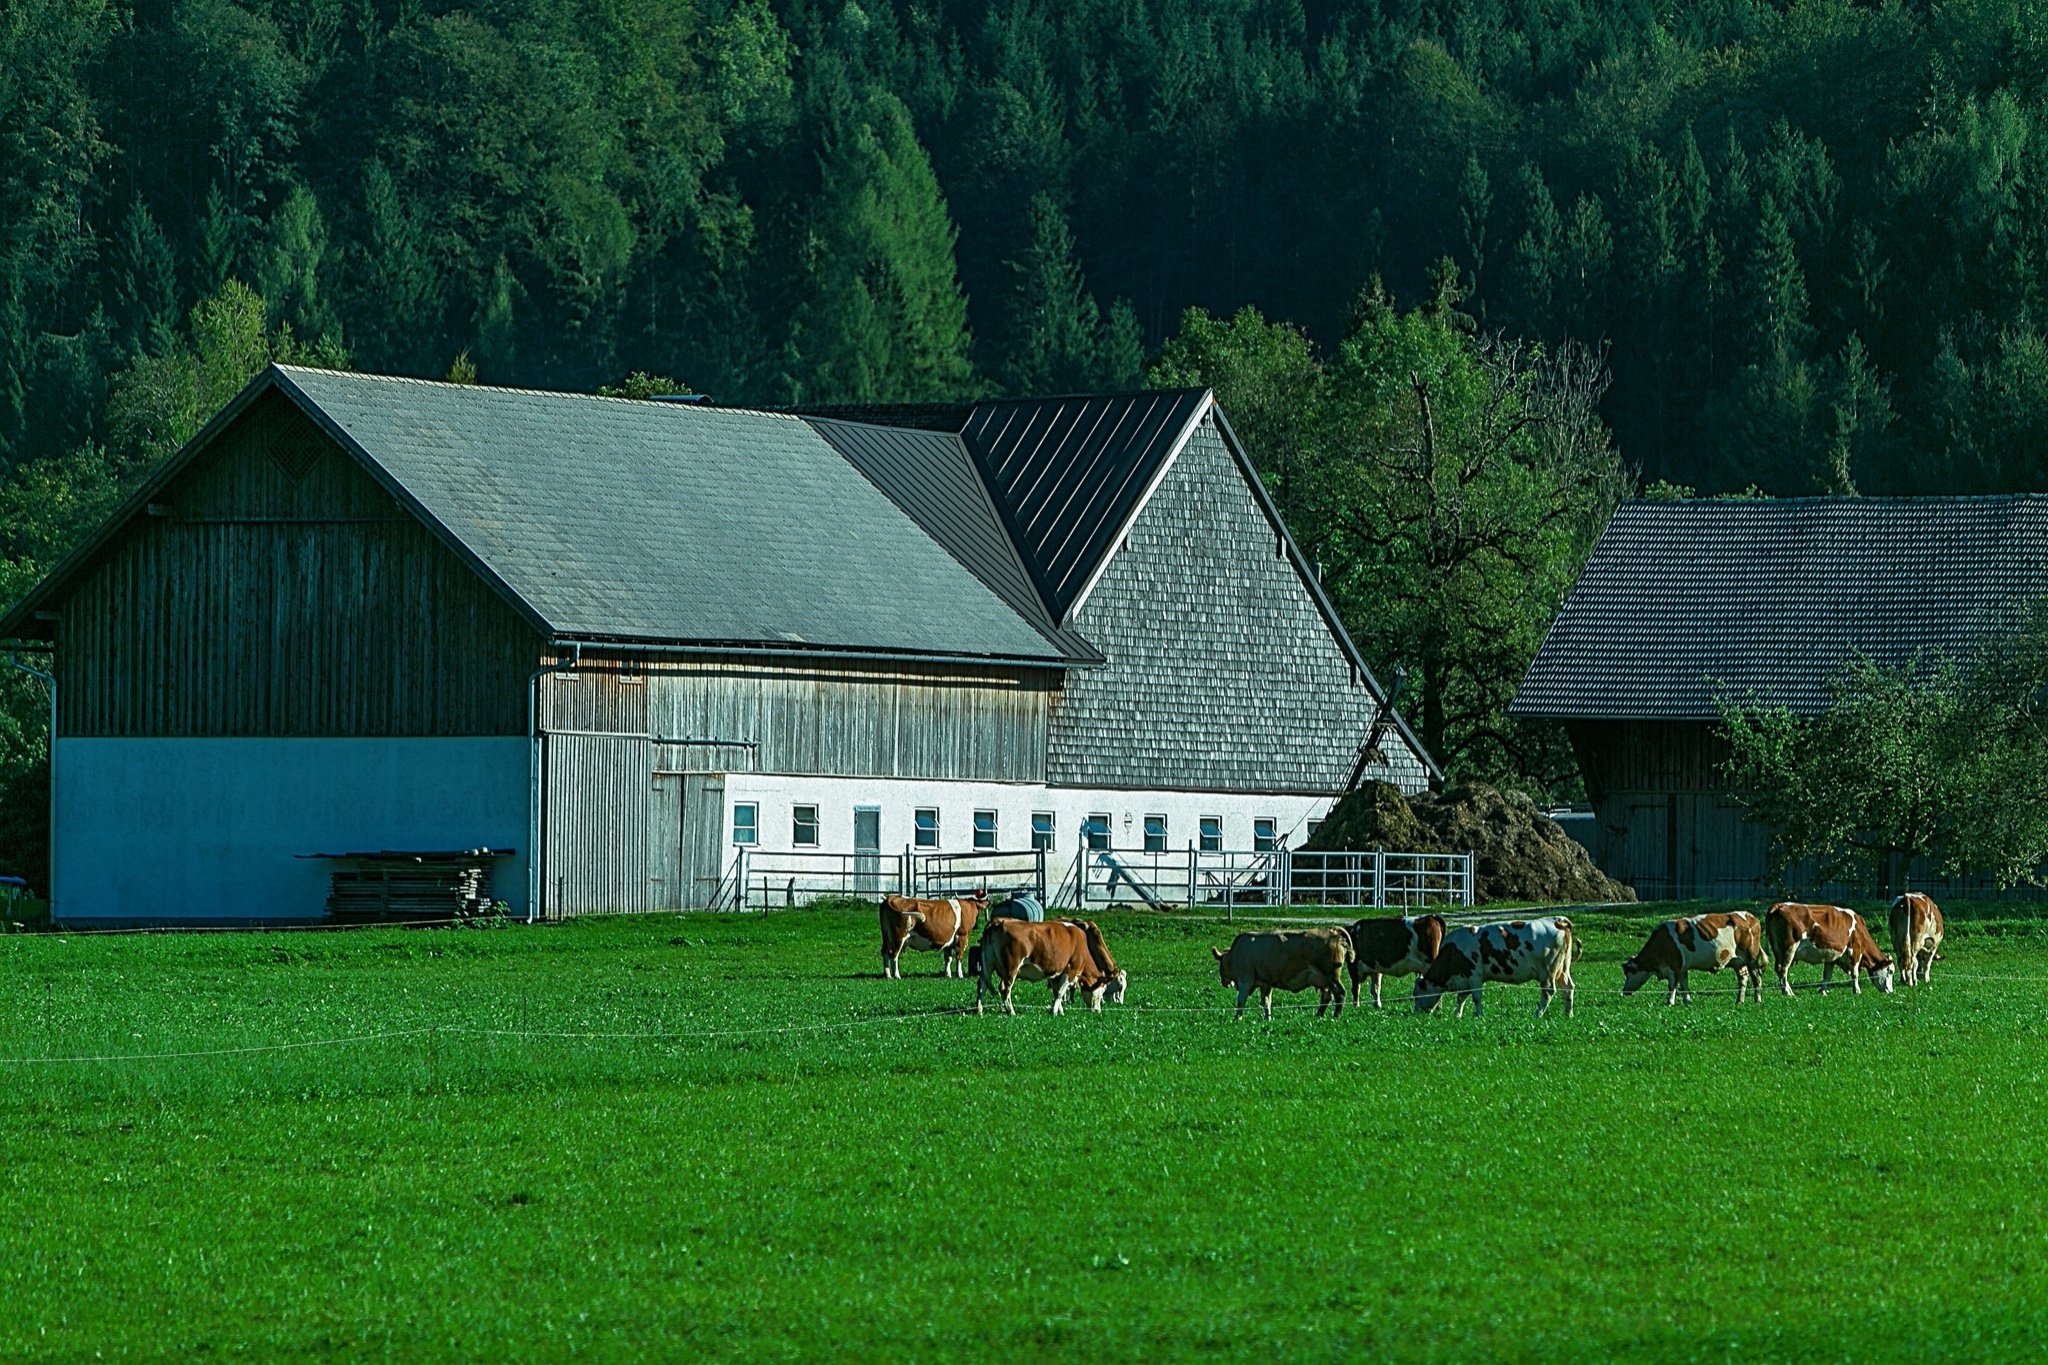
(618, 641)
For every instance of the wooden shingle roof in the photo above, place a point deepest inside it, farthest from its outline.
(1684, 602)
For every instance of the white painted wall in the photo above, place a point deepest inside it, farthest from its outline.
(1014, 802)
(206, 830)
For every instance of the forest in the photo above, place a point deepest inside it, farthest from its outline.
(1719, 246)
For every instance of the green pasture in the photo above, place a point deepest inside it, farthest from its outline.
(675, 1138)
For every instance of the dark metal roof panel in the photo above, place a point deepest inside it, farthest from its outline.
(670, 522)
(1067, 474)
(929, 474)
(1685, 601)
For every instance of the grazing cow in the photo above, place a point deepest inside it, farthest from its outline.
(1296, 960)
(1539, 950)
(1829, 935)
(1916, 936)
(943, 927)
(1063, 953)
(1704, 943)
(1393, 946)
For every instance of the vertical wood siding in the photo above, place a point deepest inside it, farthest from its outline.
(841, 720)
(1668, 820)
(272, 605)
(1222, 673)
(595, 818)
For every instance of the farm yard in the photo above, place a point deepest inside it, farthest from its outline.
(704, 1135)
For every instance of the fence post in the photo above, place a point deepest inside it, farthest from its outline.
(1470, 892)
(739, 877)
(1379, 879)
(1191, 874)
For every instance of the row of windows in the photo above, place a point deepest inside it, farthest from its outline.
(746, 829)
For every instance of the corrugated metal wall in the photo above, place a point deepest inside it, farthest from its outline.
(594, 823)
(283, 593)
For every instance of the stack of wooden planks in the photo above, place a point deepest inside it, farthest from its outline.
(392, 885)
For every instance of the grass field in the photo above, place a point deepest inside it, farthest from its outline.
(677, 1138)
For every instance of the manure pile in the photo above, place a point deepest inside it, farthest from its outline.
(1521, 853)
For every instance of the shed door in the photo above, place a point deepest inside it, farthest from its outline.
(1647, 854)
(701, 864)
(665, 889)
(867, 850)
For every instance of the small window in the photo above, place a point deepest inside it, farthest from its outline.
(1095, 829)
(804, 828)
(1041, 829)
(984, 829)
(1265, 836)
(1212, 834)
(1155, 834)
(927, 827)
(629, 671)
(746, 823)
(1313, 826)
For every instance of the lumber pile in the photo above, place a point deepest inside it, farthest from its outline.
(371, 887)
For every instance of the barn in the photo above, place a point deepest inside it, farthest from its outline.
(1684, 602)
(612, 644)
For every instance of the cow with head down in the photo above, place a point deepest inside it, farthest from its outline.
(1393, 946)
(1703, 943)
(1540, 950)
(1296, 960)
(1916, 936)
(1830, 935)
(1066, 954)
(940, 926)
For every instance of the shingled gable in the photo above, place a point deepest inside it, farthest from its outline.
(620, 521)
(1686, 601)
(1064, 478)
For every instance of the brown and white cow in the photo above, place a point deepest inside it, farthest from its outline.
(1393, 946)
(1916, 936)
(1829, 935)
(1539, 950)
(1064, 953)
(1703, 943)
(929, 926)
(1292, 960)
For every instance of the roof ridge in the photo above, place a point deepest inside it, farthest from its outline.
(666, 405)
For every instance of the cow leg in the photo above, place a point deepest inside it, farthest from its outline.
(1478, 1005)
(1009, 988)
(1357, 976)
(1338, 1013)
(980, 986)
(1266, 1000)
(1059, 994)
(1671, 989)
(1856, 976)
(1827, 971)
(1377, 1002)
(1544, 990)
(1926, 962)
(1785, 977)
(1685, 984)
(1244, 993)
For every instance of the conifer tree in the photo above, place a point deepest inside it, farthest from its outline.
(1534, 267)
(145, 284)
(1053, 321)
(1774, 289)
(887, 321)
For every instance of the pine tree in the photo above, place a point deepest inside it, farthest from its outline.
(1475, 208)
(886, 321)
(145, 285)
(1053, 322)
(1588, 257)
(1774, 290)
(1535, 265)
(289, 267)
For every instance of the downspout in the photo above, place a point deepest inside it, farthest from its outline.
(51, 889)
(533, 794)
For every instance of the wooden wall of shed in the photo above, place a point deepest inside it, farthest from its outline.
(710, 714)
(1668, 821)
(284, 592)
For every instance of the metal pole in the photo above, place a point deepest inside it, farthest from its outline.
(1191, 874)
(50, 872)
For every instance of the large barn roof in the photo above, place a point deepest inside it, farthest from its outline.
(1684, 602)
(972, 534)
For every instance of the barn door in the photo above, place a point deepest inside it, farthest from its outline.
(665, 889)
(701, 861)
(1647, 854)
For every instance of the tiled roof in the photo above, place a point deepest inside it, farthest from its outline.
(1684, 602)
(658, 521)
